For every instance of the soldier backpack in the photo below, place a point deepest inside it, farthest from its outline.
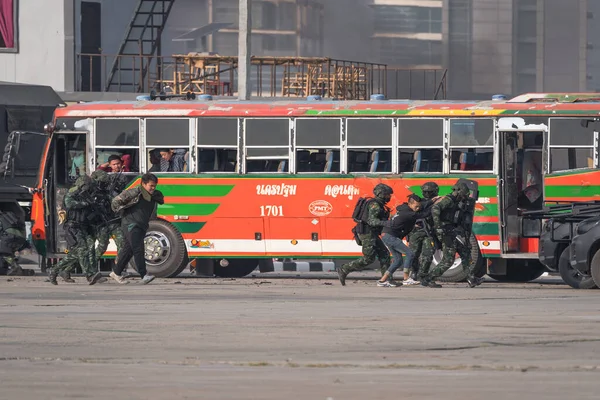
(360, 209)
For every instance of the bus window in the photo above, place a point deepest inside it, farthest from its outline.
(267, 143)
(571, 145)
(420, 145)
(369, 145)
(217, 141)
(119, 137)
(317, 144)
(70, 157)
(169, 137)
(129, 159)
(471, 145)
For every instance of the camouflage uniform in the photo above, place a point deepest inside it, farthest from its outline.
(372, 245)
(110, 187)
(79, 226)
(418, 240)
(443, 219)
(12, 239)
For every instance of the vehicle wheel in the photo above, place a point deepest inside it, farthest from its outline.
(521, 271)
(166, 254)
(595, 268)
(456, 273)
(571, 276)
(237, 268)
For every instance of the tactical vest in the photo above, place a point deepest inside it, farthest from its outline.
(449, 215)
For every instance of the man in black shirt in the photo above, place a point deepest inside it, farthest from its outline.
(394, 231)
(137, 207)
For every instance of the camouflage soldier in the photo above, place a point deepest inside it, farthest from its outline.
(12, 239)
(447, 230)
(80, 236)
(419, 240)
(109, 186)
(369, 234)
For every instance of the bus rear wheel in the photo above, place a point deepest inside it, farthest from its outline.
(456, 273)
(571, 276)
(166, 254)
(234, 267)
(520, 271)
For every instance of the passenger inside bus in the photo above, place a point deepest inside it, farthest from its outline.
(529, 170)
(176, 159)
(129, 159)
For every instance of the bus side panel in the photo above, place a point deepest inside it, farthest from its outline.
(280, 215)
(569, 186)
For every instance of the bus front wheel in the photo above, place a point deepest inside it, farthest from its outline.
(166, 254)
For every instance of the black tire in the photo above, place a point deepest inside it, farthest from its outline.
(237, 268)
(595, 268)
(456, 273)
(166, 254)
(570, 275)
(521, 271)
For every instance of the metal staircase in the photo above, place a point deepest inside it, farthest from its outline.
(131, 66)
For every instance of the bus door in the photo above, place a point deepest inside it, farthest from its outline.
(67, 163)
(520, 180)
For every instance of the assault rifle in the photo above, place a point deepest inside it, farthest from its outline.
(436, 242)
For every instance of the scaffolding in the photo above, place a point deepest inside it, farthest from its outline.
(274, 77)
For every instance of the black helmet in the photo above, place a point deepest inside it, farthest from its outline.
(430, 190)
(383, 192)
(460, 190)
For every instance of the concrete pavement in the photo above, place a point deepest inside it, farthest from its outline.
(297, 339)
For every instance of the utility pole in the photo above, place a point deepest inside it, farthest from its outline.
(244, 50)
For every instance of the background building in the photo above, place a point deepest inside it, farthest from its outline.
(488, 46)
(519, 46)
(407, 33)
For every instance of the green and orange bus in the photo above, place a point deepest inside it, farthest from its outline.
(271, 180)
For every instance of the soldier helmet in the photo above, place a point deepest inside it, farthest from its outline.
(82, 183)
(100, 176)
(430, 190)
(460, 190)
(383, 192)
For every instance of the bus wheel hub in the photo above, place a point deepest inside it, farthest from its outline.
(157, 247)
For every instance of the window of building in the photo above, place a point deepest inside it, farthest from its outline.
(571, 145)
(8, 25)
(472, 145)
(318, 145)
(267, 144)
(169, 138)
(119, 136)
(369, 144)
(217, 141)
(420, 145)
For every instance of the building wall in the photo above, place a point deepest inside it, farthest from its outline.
(48, 61)
(491, 54)
(407, 33)
(562, 47)
(593, 48)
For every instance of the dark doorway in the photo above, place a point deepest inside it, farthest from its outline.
(91, 44)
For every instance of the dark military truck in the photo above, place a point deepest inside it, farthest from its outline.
(585, 250)
(22, 108)
(562, 238)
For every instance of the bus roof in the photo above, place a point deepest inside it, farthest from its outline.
(528, 104)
